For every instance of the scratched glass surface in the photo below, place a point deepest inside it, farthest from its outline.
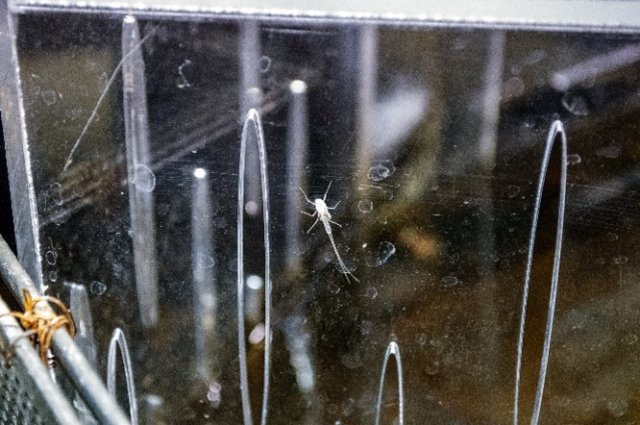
(451, 174)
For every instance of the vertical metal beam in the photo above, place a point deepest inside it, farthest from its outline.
(23, 198)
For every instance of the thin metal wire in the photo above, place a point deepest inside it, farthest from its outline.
(253, 118)
(392, 350)
(119, 342)
(556, 129)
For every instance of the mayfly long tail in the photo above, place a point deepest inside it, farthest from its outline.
(343, 267)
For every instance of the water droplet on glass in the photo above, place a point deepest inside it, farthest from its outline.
(577, 105)
(513, 87)
(51, 258)
(574, 159)
(53, 276)
(621, 259)
(381, 170)
(385, 251)
(347, 406)
(144, 179)
(365, 206)
(612, 236)
(204, 262)
(351, 360)
(421, 339)
(535, 57)
(333, 288)
(449, 281)
(512, 191)
(610, 152)
(55, 191)
(264, 64)
(371, 292)
(618, 408)
(97, 288)
(630, 339)
(182, 79)
(433, 367)
(49, 97)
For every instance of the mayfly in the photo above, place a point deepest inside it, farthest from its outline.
(322, 214)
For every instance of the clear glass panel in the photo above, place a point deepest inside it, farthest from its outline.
(429, 143)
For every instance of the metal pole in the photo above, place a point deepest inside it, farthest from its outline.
(84, 377)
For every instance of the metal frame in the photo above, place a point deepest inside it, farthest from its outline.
(23, 198)
(577, 15)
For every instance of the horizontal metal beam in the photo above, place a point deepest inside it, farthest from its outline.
(620, 15)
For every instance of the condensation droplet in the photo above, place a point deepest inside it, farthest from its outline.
(618, 408)
(347, 406)
(351, 360)
(576, 105)
(621, 259)
(51, 258)
(513, 87)
(609, 152)
(49, 97)
(574, 159)
(381, 170)
(385, 250)
(421, 339)
(612, 236)
(449, 281)
(365, 206)
(182, 79)
(264, 64)
(371, 292)
(333, 288)
(55, 191)
(97, 288)
(433, 367)
(535, 57)
(144, 179)
(630, 339)
(53, 276)
(513, 191)
(204, 261)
